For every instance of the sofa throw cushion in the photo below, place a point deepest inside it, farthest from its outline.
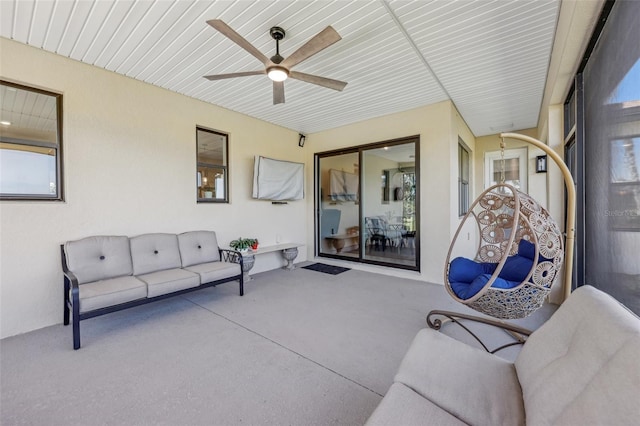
(154, 252)
(198, 247)
(99, 258)
(476, 387)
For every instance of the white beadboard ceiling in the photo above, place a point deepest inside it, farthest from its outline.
(489, 57)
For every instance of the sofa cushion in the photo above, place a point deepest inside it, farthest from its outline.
(471, 384)
(402, 406)
(100, 294)
(154, 252)
(581, 366)
(214, 271)
(98, 258)
(198, 247)
(169, 280)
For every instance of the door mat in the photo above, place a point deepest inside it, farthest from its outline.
(327, 269)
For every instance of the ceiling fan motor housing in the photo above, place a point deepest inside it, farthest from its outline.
(277, 33)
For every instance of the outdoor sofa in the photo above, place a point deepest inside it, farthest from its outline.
(581, 367)
(104, 274)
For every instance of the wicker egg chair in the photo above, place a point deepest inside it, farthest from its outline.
(518, 258)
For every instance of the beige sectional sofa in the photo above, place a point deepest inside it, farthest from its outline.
(581, 367)
(104, 274)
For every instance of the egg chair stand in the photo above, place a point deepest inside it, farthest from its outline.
(518, 334)
(519, 255)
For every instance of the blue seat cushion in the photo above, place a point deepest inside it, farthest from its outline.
(467, 290)
(465, 270)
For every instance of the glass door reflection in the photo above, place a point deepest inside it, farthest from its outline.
(389, 204)
(339, 200)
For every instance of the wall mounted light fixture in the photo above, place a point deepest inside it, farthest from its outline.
(541, 164)
(301, 140)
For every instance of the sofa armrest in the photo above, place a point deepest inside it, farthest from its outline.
(232, 256)
(71, 299)
(71, 285)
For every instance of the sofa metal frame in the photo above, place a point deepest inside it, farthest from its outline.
(72, 293)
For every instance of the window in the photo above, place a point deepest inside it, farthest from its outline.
(463, 179)
(570, 114)
(212, 170)
(30, 143)
(514, 168)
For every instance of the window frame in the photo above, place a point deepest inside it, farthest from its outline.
(463, 185)
(58, 146)
(224, 167)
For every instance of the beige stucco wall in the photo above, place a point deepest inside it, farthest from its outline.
(129, 168)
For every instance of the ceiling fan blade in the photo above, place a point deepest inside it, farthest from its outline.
(320, 41)
(320, 81)
(233, 75)
(238, 39)
(278, 92)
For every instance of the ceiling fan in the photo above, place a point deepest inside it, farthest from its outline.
(278, 68)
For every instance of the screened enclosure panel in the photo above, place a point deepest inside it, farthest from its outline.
(612, 158)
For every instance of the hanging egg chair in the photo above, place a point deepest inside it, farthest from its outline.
(518, 254)
(506, 255)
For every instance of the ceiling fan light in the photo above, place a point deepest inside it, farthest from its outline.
(277, 73)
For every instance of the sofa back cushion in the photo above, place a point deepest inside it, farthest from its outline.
(582, 366)
(98, 258)
(154, 252)
(198, 247)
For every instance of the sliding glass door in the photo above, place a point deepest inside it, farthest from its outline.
(367, 203)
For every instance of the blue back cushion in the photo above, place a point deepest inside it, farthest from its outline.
(526, 249)
(516, 268)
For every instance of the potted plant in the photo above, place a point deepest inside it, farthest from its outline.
(254, 246)
(242, 244)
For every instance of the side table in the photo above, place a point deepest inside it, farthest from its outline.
(289, 252)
